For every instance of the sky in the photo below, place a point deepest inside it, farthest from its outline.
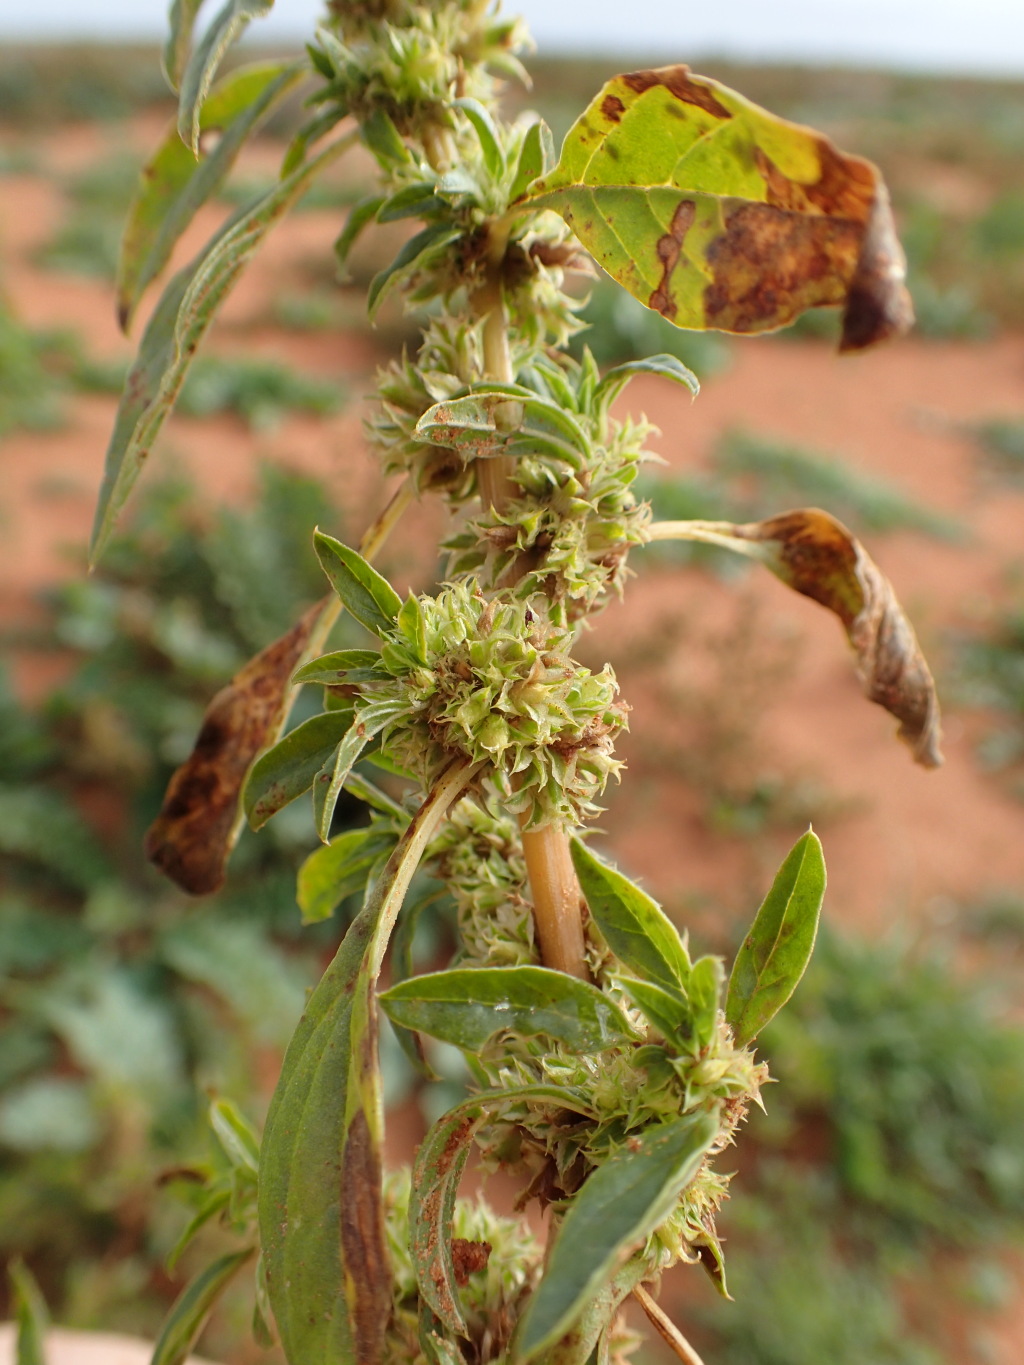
(984, 36)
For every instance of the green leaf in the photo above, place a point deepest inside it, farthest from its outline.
(366, 595)
(667, 366)
(487, 132)
(236, 1136)
(417, 252)
(717, 214)
(413, 626)
(334, 668)
(440, 1161)
(467, 1006)
(30, 1313)
(360, 216)
(667, 1010)
(412, 201)
(638, 931)
(319, 1234)
(185, 1321)
(173, 185)
(182, 20)
(289, 768)
(214, 1203)
(621, 1203)
(384, 140)
(510, 420)
(776, 951)
(339, 869)
(535, 156)
(202, 65)
(332, 777)
(184, 312)
(704, 990)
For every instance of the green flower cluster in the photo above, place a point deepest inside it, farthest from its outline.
(410, 60)
(479, 855)
(461, 675)
(499, 1259)
(628, 1089)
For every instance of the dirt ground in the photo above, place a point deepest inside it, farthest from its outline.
(903, 845)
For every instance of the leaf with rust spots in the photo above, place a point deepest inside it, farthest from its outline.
(717, 214)
(199, 822)
(320, 1210)
(436, 1173)
(817, 556)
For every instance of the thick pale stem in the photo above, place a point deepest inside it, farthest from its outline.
(556, 900)
(553, 885)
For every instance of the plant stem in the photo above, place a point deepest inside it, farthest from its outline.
(556, 900)
(553, 886)
(666, 1328)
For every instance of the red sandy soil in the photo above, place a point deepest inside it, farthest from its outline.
(911, 844)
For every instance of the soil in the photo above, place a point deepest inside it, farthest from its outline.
(904, 846)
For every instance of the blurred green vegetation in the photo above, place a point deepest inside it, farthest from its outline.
(122, 1003)
(987, 674)
(888, 1164)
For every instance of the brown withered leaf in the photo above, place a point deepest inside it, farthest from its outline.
(192, 837)
(817, 556)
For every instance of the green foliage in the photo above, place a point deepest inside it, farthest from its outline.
(919, 1083)
(778, 947)
(123, 1003)
(988, 674)
(31, 375)
(260, 392)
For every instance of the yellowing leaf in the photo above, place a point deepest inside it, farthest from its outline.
(717, 214)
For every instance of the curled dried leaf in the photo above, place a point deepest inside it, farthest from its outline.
(817, 556)
(191, 838)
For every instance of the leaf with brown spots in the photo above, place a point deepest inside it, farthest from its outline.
(718, 214)
(199, 821)
(817, 556)
(320, 1208)
(438, 1168)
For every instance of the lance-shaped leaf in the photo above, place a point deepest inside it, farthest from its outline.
(535, 156)
(467, 1006)
(30, 1313)
(191, 838)
(181, 21)
(717, 214)
(339, 869)
(617, 1207)
(778, 947)
(231, 21)
(287, 770)
(173, 184)
(638, 931)
(193, 1306)
(366, 594)
(509, 420)
(668, 1011)
(666, 366)
(440, 1161)
(335, 771)
(817, 556)
(342, 666)
(180, 319)
(320, 1211)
